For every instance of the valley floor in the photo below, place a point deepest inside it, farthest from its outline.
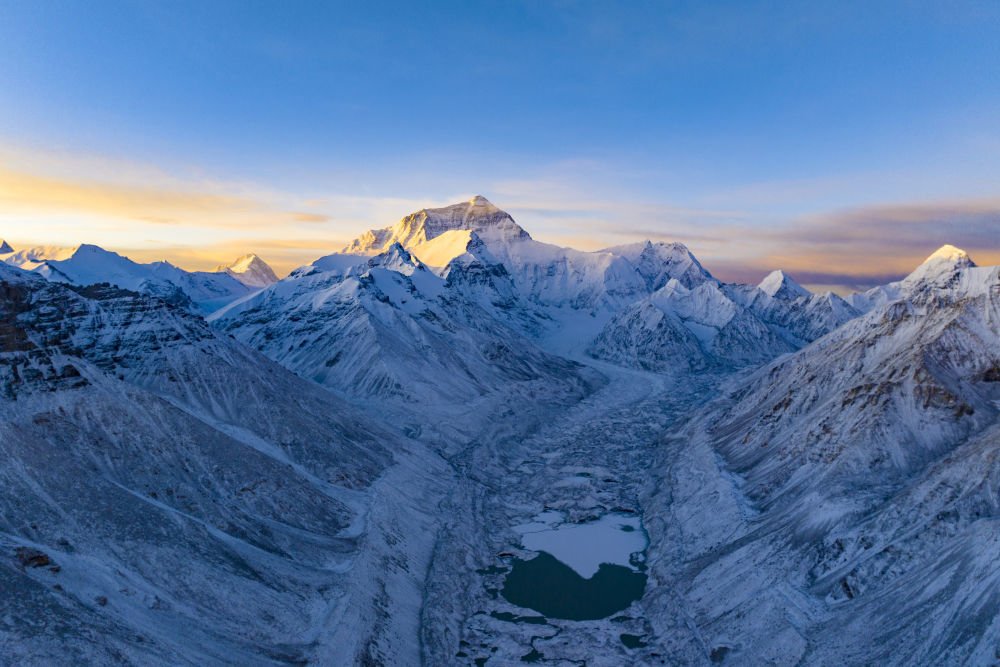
(587, 461)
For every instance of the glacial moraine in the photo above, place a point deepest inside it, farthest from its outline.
(549, 527)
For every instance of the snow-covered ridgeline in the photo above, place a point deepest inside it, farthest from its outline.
(848, 488)
(200, 291)
(171, 496)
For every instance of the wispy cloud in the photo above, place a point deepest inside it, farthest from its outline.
(29, 193)
(281, 255)
(196, 222)
(199, 222)
(847, 249)
(867, 245)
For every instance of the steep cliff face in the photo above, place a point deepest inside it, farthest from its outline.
(388, 330)
(850, 482)
(169, 494)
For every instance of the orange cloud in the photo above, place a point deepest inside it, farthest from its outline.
(844, 249)
(308, 217)
(139, 211)
(282, 256)
(868, 245)
(27, 193)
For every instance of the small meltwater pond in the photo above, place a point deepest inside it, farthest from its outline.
(583, 571)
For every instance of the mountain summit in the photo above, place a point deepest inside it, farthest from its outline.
(476, 215)
(250, 270)
(945, 260)
(950, 253)
(5, 248)
(781, 286)
(944, 264)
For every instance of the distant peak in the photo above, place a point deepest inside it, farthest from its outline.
(39, 254)
(949, 253)
(780, 285)
(477, 215)
(944, 261)
(250, 270)
(5, 247)
(90, 252)
(649, 248)
(243, 263)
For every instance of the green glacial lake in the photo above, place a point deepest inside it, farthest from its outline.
(554, 590)
(582, 571)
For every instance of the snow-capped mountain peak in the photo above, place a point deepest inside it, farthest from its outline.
(945, 260)
(780, 285)
(395, 258)
(950, 253)
(478, 249)
(944, 265)
(91, 250)
(29, 258)
(658, 262)
(250, 270)
(5, 248)
(88, 264)
(477, 215)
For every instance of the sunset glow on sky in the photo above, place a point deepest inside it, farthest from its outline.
(842, 142)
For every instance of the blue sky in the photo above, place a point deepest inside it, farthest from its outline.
(840, 140)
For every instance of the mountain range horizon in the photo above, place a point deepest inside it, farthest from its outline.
(56, 252)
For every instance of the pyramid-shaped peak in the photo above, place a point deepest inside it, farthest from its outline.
(242, 263)
(951, 254)
(88, 253)
(250, 270)
(780, 285)
(648, 248)
(943, 262)
(5, 248)
(478, 206)
(89, 249)
(478, 215)
(246, 260)
(396, 258)
(659, 261)
(394, 253)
